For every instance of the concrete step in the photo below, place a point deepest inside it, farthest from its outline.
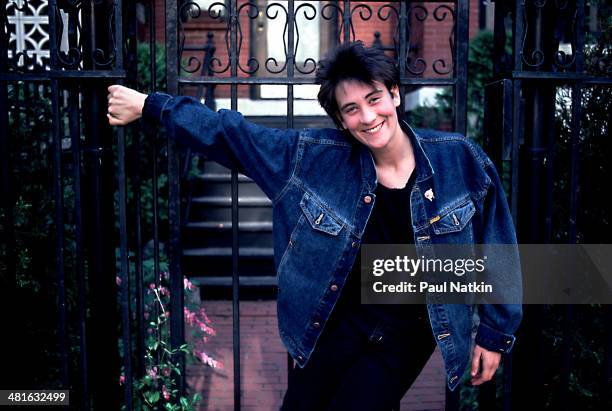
(222, 201)
(222, 178)
(243, 280)
(225, 252)
(245, 226)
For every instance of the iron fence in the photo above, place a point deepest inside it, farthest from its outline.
(97, 225)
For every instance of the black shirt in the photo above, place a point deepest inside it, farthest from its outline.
(389, 223)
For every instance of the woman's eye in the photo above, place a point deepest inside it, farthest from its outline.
(350, 109)
(374, 100)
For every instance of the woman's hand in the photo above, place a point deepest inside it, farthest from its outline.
(489, 360)
(124, 105)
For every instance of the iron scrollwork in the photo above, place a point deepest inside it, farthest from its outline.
(565, 16)
(330, 12)
(69, 13)
(419, 65)
(344, 14)
(308, 60)
(192, 10)
(451, 40)
(285, 27)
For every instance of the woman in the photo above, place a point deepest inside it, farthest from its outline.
(373, 180)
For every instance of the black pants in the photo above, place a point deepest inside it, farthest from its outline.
(360, 364)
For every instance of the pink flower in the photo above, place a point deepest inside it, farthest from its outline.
(206, 329)
(166, 372)
(121, 379)
(204, 316)
(165, 393)
(152, 286)
(202, 356)
(118, 280)
(167, 313)
(187, 284)
(153, 373)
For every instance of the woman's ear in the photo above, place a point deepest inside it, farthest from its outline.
(395, 95)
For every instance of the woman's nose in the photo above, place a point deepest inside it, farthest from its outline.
(367, 116)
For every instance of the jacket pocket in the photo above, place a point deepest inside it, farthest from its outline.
(456, 219)
(319, 217)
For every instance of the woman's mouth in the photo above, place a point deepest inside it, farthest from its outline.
(375, 128)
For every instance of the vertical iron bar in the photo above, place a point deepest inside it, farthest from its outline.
(346, 21)
(7, 234)
(235, 216)
(290, 73)
(575, 124)
(59, 203)
(518, 31)
(549, 164)
(404, 25)
(6, 185)
(153, 46)
(59, 228)
(123, 234)
(527, 378)
(566, 360)
(606, 382)
(132, 73)
(291, 60)
(507, 383)
(75, 138)
(152, 70)
(499, 43)
(460, 64)
(574, 196)
(154, 182)
(79, 268)
(177, 331)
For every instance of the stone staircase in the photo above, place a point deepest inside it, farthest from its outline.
(207, 234)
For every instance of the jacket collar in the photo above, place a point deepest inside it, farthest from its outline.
(423, 167)
(422, 164)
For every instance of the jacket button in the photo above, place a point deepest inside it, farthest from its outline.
(299, 357)
(453, 378)
(354, 244)
(316, 324)
(334, 287)
(367, 199)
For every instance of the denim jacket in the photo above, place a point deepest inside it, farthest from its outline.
(321, 183)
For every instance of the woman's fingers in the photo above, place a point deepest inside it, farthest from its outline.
(124, 105)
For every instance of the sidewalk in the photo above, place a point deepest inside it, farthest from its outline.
(264, 364)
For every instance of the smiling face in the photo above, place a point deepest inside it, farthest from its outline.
(368, 112)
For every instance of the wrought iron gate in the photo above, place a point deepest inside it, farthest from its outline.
(60, 56)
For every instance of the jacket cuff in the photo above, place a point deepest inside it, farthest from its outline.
(153, 106)
(494, 340)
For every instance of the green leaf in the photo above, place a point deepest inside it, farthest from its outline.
(196, 398)
(152, 397)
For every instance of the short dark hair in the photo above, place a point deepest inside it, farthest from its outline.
(352, 61)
